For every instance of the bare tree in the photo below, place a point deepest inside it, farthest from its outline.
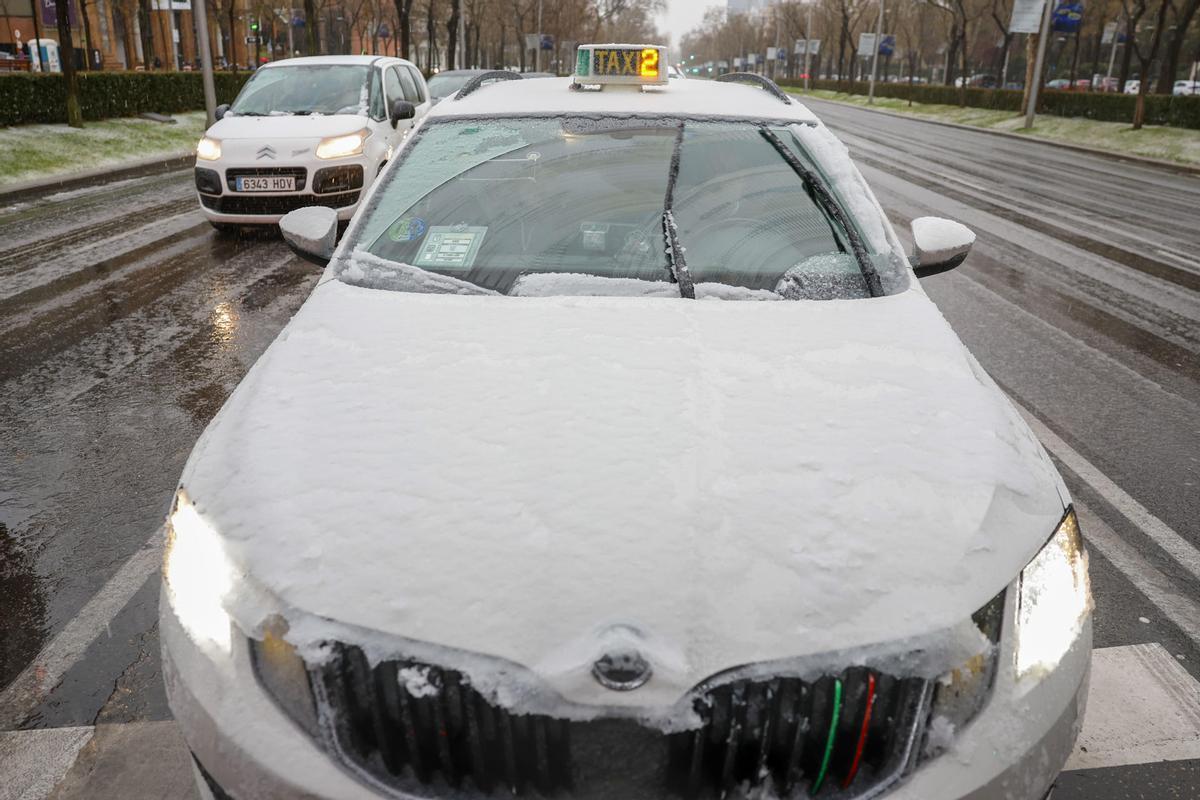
(67, 56)
(1145, 52)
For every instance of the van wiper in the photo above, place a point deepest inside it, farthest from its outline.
(676, 263)
(825, 199)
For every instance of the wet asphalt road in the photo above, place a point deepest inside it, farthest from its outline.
(125, 322)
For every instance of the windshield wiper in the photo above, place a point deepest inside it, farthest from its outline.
(829, 204)
(676, 262)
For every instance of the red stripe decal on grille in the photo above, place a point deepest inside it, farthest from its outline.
(862, 734)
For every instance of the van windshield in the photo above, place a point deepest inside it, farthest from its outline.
(307, 89)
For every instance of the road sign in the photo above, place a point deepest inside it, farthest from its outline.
(802, 44)
(887, 46)
(532, 40)
(866, 45)
(546, 42)
(251, 40)
(1026, 16)
(773, 53)
(1067, 17)
(1110, 30)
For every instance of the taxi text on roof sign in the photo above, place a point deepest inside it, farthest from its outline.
(644, 64)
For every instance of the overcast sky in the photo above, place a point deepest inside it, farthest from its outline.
(683, 15)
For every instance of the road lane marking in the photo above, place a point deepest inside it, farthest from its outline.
(1182, 551)
(1181, 610)
(1143, 707)
(42, 674)
(33, 762)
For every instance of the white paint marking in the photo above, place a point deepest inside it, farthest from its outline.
(1184, 553)
(33, 762)
(1142, 708)
(1180, 609)
(48, 668)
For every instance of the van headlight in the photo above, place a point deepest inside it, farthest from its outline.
(1054, 600)
(198, 574)
(343, 146)
(209, 149)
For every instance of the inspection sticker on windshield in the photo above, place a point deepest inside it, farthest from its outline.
(407, 229)
(451, 246)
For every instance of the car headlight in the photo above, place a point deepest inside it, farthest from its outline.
(962, 692)
(1054, 600)
(209, 149)
(342, 146)
(281, 671)
(198, 574)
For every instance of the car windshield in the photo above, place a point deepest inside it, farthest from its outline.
(578, 206)
(307, 89)
(445, 85)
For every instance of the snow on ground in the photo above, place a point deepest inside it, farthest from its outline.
(28, 152)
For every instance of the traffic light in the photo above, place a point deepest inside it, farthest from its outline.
(254, 26)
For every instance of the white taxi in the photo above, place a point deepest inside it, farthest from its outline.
(619, 454)
(305, 132)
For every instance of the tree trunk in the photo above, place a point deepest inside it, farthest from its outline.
(67, 56)
(311, 27)
(966, 71)
(452, 34)
(431, 44)
(1170, 60)
(232, 54)
(1139, 110)
(87, 35)
(404, 17)
(147, 34)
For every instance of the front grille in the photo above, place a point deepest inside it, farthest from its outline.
(231, 175)
(426, 732)
(274, 204)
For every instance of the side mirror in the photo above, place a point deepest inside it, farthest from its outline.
(220, 110)
(940, 245)
(402, 109)
(311, 232)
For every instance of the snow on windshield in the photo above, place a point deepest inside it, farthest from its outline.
(490, 202)
(307, 89)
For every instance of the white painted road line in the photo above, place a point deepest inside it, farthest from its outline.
(33, 762)
(48, 668)
(1184, 553)
(1180, 609)
(1143, 707)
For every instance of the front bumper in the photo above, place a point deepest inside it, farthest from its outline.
(220, 202)
(1013, 749)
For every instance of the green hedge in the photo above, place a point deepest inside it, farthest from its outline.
(29, 97)
(1179, 112)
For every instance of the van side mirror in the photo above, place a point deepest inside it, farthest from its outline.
(311, 232)
(220, 110)
(939, 245)
(402, 109)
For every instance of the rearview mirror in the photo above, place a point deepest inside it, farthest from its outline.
(939, 245)
(220, 110)
(311, 233)
(402, 109)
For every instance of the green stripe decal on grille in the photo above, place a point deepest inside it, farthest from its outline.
(837, 711)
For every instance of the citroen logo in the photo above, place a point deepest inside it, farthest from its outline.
(622, 670)
(266, 151)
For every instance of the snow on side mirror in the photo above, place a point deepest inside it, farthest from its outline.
(939, 244)
(311, 232)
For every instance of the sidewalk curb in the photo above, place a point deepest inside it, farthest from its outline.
(40, 187)
(1191, 169)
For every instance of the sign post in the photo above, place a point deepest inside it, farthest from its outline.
(200, 17)
(807, 45)
(1036, 83)
(875, 55)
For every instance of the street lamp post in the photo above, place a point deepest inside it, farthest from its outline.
(808, 44)
(875, 55)
(1035, 84)
(200, 16)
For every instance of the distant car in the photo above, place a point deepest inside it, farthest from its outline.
(444, 84)
(1083, 85)
(305, 132)
(1061, 84)
(1106, 85)
(674, 72)
(1132, 87)
(1186, 88)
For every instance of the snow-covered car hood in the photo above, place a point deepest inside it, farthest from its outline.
(286, 127)
(529, 478)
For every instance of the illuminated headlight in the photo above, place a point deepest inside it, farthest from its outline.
(282, 673)
(198, 575)
(342, 146)
(208, 149)
(1054, 600)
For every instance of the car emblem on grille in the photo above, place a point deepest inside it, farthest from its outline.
(622, 670)
(266, 151)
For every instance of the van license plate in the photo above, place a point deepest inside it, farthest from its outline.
(268, 184)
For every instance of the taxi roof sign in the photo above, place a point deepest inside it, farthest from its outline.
(638, 64)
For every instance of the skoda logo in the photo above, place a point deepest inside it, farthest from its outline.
(266, 152)
(622, 670)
